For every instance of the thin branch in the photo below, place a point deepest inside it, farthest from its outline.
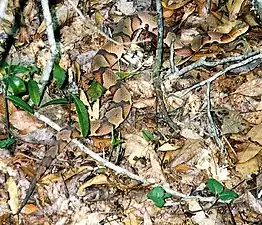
(202, 62)
(157, 69)
(3, 6)
(45, 78)
(213, 127)
(120, 170)
(220, 73)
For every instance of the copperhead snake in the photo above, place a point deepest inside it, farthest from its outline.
(109, 54)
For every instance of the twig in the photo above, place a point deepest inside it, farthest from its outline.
(213, 127)
(3, 5)
(51, 41)
(220, 73)
(202, 62)
(120, 170)
(157, 69)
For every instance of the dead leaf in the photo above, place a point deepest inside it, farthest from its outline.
(234, 7)
(97, 180)
(189, 150)
(249, 167)
(25, 122)
(255, 134)
(253, 203)
(182, 168)
(174, 4)
(170, 147)
(250, 152)
(135, 146)
(11, 107)
(251, 88)
(29, 209)
(13, 194)
(144, 103)
(233, 123)
(67, 174)
(190, 134)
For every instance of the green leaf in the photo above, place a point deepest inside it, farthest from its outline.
(160, 202)
(83, 115)
(14, 69)
(148, 135)
(116, 141)
(20, 103)
(7, 143)
(16, 84)
(59, 75)
(158, 196)
(157, 192)
(214, 186)
(58, 101)
(95, 91)
(228, 195)
(34, 91)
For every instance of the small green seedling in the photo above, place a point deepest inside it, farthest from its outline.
(5, 144)
(219, 190)
(158, 196)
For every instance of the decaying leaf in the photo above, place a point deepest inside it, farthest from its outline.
(251, 88)
(13, 194)
(57, 177)
(233, 123)
(248, 167)
(25, 122)
(255, 134)
(251, 151)
(97, 180)
(135, 146)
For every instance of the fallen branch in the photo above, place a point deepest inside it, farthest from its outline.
(45, 78)
(220, 73)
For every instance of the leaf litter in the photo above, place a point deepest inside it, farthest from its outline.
(77, 190)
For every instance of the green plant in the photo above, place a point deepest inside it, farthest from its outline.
(158, 196)
(219, 190)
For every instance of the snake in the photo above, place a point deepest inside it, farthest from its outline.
(110, 53)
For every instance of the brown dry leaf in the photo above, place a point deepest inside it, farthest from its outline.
(97, 180)
(249, 167)
(189, 150)
(174, 4)
(253, 117)
(253, 203)
(29, 209)
(234, 7)
(64, 135)
(255, 134)
(40, 136)
(13, 194)
(25, 122)
(56, 177)
(190, 134)
(227, 27)
(132, 217)
(144, 103)
(170, 147)
(135, 146)
(11, 107)
(233, 123)
(250, 152)
(251, 88)
(155, 171)
(182, 168)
